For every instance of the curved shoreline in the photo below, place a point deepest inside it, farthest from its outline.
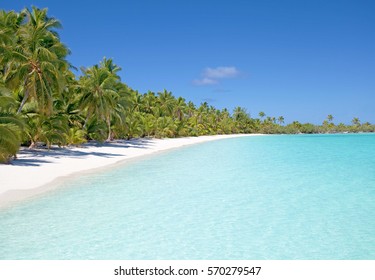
(38, 171)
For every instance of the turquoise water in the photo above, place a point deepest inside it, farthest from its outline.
(267, 197)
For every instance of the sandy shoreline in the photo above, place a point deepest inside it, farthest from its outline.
(34, 170)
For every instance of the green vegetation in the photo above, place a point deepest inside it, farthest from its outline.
(42, 101)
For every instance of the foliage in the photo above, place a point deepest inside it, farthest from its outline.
(10, 130)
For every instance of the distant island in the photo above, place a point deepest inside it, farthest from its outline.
(43, 101)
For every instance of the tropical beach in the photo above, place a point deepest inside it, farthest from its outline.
(46, 101)
(182, 130)
(41, 167)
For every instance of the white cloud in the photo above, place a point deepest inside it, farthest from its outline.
(211, 76)
(221, 72)
(204, 81)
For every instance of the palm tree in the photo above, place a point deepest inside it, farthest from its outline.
(11, 128)
(36, 64)
(280, 120)
(110, 66)
(9, 24)
(166, 100)
(356, 122)
(10, 136)
(297, 125)
(242, 119)
(148, 123)
(99, 94)
(262, 114)
(149, 102)
(41, 128)
(179, 108)
(191, 109)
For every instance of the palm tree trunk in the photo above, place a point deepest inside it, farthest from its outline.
(86, 120)
(109, 129)
(25, 97)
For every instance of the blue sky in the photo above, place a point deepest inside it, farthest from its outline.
(299, 59)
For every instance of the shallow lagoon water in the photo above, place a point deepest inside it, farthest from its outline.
(263, 197)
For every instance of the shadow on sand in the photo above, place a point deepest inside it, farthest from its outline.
(35, 157)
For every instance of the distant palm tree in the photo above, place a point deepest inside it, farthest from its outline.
(149, 102)
(242, 119)
(356, 122)
(166, 103)
(262, 114)
(191, 108)
(330, 118)
(239, 113)
(297, 124)
(99, 94)
(280, 120)
(179, 108)
(110, 66)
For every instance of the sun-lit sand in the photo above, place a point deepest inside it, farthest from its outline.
(35, 169)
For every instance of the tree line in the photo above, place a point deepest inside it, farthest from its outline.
(43, 102)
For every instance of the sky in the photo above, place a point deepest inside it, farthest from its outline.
(299, 59)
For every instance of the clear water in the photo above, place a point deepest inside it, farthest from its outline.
(269, 197)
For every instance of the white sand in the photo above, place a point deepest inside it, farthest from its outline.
(34, 170)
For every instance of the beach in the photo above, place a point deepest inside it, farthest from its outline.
(35, 170)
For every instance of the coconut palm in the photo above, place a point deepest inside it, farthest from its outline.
(242, 119)
(356, 122)
(36, 64)
(110, 66)
(10, 136)
(10, 129)
(166, 103)
(149, 102)
(99, 94)
(179, 108)
(9, 24)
